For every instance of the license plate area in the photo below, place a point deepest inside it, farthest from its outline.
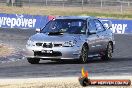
(46, 51)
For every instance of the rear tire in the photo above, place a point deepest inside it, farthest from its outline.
(108, 53)
(84, 54)
(33, 60)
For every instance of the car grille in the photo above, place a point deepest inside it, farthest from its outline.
(55, 53)
(39, 44)
(48, 45)
(57, 45)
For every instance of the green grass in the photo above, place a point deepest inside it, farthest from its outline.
(110, 12)
(118, 16)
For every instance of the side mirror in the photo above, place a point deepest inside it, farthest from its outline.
(107, 24)
(38, 30)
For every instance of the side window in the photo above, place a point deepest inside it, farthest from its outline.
(99, 26)
(91, 25)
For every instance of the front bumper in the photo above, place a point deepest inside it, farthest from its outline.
(66, 53)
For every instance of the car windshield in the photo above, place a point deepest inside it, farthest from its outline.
(72, 26)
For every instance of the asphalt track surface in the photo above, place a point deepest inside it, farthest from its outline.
(121, 63)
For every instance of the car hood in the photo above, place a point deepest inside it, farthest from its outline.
(55, 38)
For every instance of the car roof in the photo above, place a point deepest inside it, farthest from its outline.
(75, 17)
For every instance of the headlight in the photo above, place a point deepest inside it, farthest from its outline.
(30, 43)
(69, 44)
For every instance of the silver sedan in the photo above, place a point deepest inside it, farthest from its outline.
(71, 37)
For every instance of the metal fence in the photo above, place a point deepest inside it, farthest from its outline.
(120, 5)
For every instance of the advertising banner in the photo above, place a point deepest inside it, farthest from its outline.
(37, 21)
(120, 26)
(22, 21)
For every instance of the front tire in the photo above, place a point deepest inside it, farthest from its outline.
(33, 60)
(84, 54)
(108, 53)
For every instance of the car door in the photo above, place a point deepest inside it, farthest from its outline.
(101, 33)
(92, 37)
